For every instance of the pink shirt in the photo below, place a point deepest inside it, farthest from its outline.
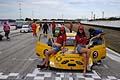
(6, 27)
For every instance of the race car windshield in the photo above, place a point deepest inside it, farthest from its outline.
(70, 41)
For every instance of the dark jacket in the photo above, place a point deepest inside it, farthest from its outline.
(45, 26)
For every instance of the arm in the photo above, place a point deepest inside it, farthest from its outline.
(47, 27)
(75, 45)
(63, 44)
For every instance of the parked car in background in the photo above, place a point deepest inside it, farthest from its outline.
(25, 28)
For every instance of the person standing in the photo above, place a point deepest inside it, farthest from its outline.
(53, 25)
(45, 28)
(71, 26)
(6, 29)
(40, 26)
(34, 27)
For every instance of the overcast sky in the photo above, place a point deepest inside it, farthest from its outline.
(58, 8)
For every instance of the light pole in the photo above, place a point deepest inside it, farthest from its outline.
(32, 14)
(91, 15)
(103, 14)
(20, 13)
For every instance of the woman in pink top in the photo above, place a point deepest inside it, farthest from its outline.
(6, 29)
(80, 46)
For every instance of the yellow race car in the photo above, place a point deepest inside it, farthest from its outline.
(68, 59)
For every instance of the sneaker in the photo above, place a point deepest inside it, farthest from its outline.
(40, 66)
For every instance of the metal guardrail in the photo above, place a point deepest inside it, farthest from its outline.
(108, 27)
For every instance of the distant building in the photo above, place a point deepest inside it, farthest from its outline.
(10, 21)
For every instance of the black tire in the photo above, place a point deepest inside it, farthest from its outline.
(91, 68)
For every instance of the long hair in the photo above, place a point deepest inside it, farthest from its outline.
(81, 34)
(59, 34)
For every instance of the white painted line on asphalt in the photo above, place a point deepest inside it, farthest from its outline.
(106, 66)
(57, 78)
(39, 78)
(3, 76)
(13, 74)
(89, 79)
(112, 77)
(1, 73)
(31, 75)
(71, 78)
(29, 59)
(113, 55)
(48, 74)
(61, 74)
(113, 52)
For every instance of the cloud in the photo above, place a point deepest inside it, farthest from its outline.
(57, 8)
(74, 2)
(46, 2)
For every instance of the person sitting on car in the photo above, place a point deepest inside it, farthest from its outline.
(57, 46)
(96, 36)
(80, 46)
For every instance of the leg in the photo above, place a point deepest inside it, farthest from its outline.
(47, 55)
(85, 63)
(46, 31)
(35, 34)
(43, 31)
(6, 34)
(86, 53)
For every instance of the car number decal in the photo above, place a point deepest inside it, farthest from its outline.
(95, 54)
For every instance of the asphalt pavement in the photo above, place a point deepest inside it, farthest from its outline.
(18, 62)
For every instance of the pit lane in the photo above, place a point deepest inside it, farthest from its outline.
(18, 62)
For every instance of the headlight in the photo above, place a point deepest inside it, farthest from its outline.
(58, 58)
(51, 63)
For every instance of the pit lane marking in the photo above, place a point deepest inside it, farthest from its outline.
(29, 59)
(38, 75)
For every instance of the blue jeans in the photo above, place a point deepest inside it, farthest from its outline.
(56, 48)
(79, 47)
